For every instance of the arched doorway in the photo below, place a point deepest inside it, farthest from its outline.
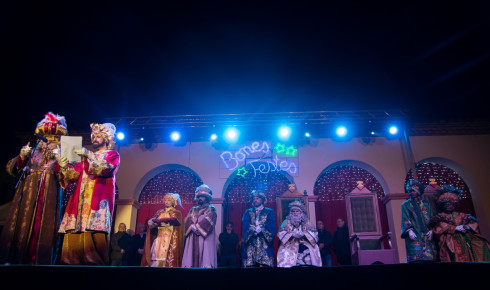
(443, 175)
(172, 178)
(237, 194)
(331, 187)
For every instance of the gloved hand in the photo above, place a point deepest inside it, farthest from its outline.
(298, 234)
(150, 223)
(429, 235)
(25, 150)
(460, 228)
(62, 161)
(258, 229)
(82, 152)
(412, 235)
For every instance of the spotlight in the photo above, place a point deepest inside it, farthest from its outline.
(231, 134)
(341, 131)
(307, 135)
(213, 137)
(284, 133)
(120, 136)
(142, 139)
(175, 136)
(393, 130)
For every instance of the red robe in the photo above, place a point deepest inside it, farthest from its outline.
(95, 177)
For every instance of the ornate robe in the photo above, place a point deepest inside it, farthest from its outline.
(29, 234)
(88, 215)
(456, 246)
(298, 251)
(200, 249)
(165, 248)
(91, 206)
(258, 249)
(416, 214)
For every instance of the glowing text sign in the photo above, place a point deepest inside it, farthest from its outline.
(256, 155)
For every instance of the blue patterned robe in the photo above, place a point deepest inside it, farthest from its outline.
(258, 249)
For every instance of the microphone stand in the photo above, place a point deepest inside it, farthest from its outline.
(24, 170)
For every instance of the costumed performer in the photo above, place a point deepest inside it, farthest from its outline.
(457, 233)
(416, 214)
(88, 216)
(164, 242)
(29, 235)
(200, 248)
(298, 239)
(259, 230)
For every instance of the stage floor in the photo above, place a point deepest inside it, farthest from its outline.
(380, 276)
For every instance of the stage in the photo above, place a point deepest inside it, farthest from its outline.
(378, 276)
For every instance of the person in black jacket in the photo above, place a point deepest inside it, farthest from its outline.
(341, 244)
(325, 244)
(121, 246)
(228, 247)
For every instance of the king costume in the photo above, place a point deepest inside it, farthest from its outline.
(416, 214)
(164, 242)
(200, 236)
(457, 233)
(298, 241)
(258, 248)
(29, 235)
(87, 220)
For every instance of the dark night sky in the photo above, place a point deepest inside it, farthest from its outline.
(90, 60)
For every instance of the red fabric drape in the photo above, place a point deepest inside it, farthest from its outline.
(331, 187)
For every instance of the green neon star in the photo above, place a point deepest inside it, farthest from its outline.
(242, 172)
(291, 151)
(280, 148)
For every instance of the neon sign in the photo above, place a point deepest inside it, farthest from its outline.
(281, 148)
(261, 159)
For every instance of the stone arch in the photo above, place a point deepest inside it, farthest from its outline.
(446, 171)
(338, 178)
(355, 163)
(157, 170)
(166, 178)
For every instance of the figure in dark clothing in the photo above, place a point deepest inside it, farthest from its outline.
(228, 247)
(121, 246)
(325, 240)
(341, 244)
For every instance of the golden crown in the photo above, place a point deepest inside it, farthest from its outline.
(52, 127)
(107, 131)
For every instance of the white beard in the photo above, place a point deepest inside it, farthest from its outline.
(296, 220)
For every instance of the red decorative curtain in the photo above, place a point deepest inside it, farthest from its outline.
(444, 176)
(331, 187)
(172, 181)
